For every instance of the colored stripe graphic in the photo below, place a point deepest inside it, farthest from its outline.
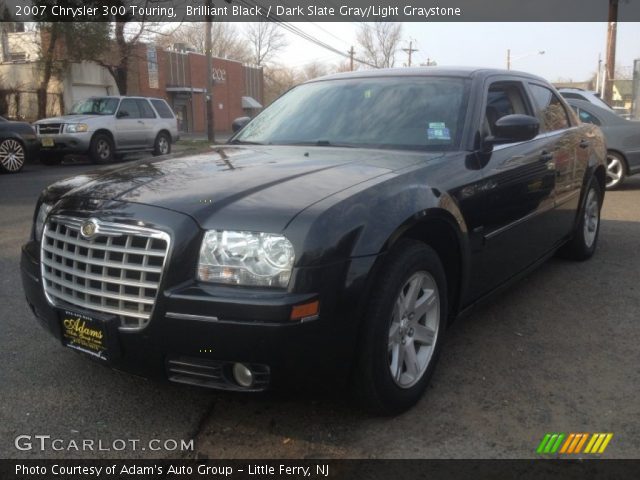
(573, 443)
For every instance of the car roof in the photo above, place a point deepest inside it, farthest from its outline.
(453, 71)
(121, 97)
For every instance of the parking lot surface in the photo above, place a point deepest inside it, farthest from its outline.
(558, 352)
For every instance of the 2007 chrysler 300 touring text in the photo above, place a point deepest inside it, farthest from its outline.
(332, 239)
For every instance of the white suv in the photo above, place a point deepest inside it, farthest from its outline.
(103, 127)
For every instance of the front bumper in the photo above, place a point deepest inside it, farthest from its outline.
(198, 331)
(65, 143)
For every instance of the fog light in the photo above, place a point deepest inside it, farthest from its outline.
(242, 375)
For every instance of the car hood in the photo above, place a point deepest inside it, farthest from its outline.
(69, 119)
(238, 187)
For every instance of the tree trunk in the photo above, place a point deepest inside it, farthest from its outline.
(47, 71)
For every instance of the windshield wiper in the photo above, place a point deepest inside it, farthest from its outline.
(321, 143)
(244, 142)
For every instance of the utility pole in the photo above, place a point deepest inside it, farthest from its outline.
(610, 67)
(508, 59)
(599, 73)
(207, 48)
(410, 50)
(351, 53)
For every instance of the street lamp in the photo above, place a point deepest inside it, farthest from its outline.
(520, 57)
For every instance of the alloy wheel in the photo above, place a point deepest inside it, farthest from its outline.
(591, 217)
(414, 329)
(615, 170)
(11, 155)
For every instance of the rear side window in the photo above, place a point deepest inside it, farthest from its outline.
(162, 108)
(586, 117)
(129, 109)
(145, 109)
(550, 109)
(575, 96)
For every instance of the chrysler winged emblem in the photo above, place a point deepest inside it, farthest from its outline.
(88, 228)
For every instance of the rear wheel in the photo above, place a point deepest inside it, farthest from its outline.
(616, 170)
(162, 145)
(101, 149)
(403, 329)
(583, 245)
(12, 156)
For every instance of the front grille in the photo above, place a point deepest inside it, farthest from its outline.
(50, 128)
(116, 271)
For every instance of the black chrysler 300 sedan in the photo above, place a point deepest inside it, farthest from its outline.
(332, 239)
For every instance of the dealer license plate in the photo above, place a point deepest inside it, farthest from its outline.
(87, 334)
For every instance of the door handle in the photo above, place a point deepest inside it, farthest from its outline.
(140, 121)
(584, 144)
(546, 156)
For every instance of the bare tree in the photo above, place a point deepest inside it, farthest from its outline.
(225, 40)
(313, 70)
(265, 40)
(379, 43)
(277, 80)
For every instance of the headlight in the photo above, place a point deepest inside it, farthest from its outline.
(77, 127)
(246, 258)
(45, 208)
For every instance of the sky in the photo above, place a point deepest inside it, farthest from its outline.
(571, 49)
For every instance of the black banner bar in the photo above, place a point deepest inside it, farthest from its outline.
(319, 469)
(317, 10)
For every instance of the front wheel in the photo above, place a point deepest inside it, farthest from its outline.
(585, 239)
(162, 145)
(615, 170)
(12, 156)
(101, 149)
(403, 329)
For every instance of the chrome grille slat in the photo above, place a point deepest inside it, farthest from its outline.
(50, 128)
(90, 276)
(141, 251)
(116, 271)
(93, 261)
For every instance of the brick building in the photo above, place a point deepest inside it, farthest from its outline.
(181, 78)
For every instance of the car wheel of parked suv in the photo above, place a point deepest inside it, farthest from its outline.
(162, 146)
(615, 170)
(403, 329)
(11, 156)
(101, 149)
(585, 239)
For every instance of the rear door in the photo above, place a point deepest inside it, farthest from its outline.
(570, 149)
(130, 128)
(149, 123)
(519, 183)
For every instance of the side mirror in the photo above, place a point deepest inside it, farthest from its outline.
(514, 128)
(122, 114)
(239, 123)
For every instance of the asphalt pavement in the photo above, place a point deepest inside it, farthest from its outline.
(557, 352)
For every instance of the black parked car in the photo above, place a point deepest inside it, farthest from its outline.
(622, 137)
(18, 143)
(332, 240)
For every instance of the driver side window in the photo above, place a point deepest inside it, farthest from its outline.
(503, 98)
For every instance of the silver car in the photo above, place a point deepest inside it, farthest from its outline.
(103, 127)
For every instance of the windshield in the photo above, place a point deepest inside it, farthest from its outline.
(417, 113)
(96, 106)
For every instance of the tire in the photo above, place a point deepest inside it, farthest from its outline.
(51, 159)
(616, 170)
(585, 239)
(395, 328)
(12, 155)
(162, 145)
(101, 149)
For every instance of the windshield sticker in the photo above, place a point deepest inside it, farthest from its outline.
(437, 125)
(367, 93)
(438, 133)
